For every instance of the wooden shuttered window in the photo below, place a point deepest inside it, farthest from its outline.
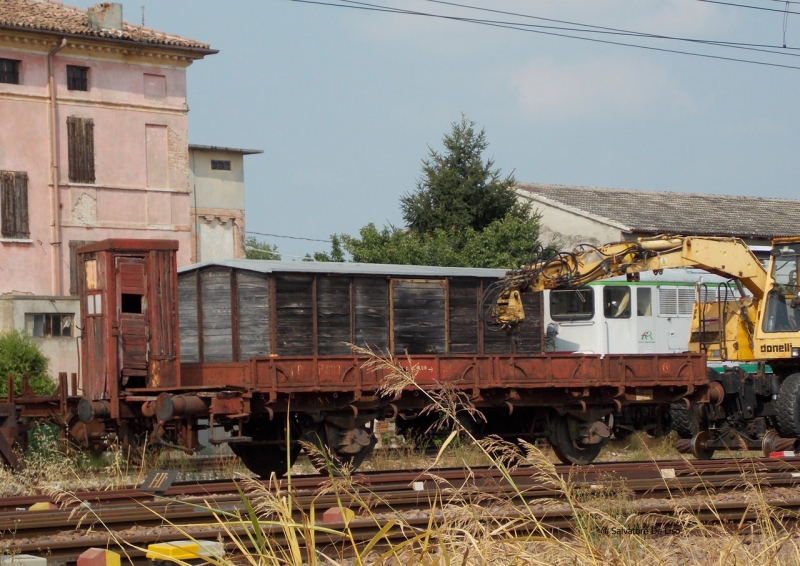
(73, 264)
(80, 147)
(14, 204)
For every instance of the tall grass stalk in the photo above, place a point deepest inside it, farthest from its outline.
(469, 527)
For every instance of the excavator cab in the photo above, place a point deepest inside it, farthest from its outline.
(782, 308)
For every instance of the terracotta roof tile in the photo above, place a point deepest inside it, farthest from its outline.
(679, 213)
(46, 15)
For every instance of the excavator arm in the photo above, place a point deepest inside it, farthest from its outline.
(727, 257)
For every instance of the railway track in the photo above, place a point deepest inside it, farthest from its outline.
(86, 519)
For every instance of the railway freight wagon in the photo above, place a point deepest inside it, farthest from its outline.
(261, 349)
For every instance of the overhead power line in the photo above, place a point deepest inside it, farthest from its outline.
(527, 28)
(617, 31)
(287, 237)
(748, 6)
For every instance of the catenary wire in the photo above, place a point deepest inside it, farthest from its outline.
(748, 6)
(615, 31)
(374, 8)
(288, 237)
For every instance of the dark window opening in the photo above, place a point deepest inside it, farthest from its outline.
(644, 301)
(80, 149)
(220, 165)
(52, 325)
(14, 204)
(131, 304)
(77, 78)
(575, 304)
(9, 71)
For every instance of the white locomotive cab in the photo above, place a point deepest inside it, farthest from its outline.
(615, 316)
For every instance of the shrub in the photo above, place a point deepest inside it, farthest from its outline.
(20, 355)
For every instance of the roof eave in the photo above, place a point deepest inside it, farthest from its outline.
(126, 42)
(198, 147)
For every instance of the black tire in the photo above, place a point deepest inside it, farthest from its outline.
(565, 448)
(787, 407)
(330, 460)
(686, 422)
(264, 460)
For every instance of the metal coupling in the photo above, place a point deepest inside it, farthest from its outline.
(168, 406)
(89, 410)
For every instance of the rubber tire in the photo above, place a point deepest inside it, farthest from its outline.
(264, 460)
(566, 451)
(318, 437)
(685, 422)
(787, 407)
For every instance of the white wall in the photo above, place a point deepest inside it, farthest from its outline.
(568, 229)
(63, 350)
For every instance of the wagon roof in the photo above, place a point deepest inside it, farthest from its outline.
(346, 268)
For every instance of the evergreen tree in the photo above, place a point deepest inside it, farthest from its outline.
(463, 213)
(458, 190)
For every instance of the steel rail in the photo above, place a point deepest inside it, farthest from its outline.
(630, 472)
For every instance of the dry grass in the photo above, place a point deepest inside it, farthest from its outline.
(50, 465)
(468, 527)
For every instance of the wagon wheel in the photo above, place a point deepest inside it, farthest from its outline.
(327, 440)
(73, 436)
(569, 450)
(133, 441)
(698, 446)
(267, 453)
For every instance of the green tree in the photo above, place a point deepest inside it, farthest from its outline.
(463, 213)
(260, 250)
(458, 189)
(20, 355)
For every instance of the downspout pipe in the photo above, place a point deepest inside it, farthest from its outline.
(55, 221)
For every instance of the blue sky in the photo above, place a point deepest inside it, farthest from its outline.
(346, 102)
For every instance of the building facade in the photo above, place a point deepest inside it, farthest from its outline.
(216, 182)
(93, 145)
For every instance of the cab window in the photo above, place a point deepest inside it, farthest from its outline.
(573, 304)
(644, 301)
(617, 302)
(782, 311)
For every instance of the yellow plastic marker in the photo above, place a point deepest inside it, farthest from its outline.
(184, 550)
(42, 506)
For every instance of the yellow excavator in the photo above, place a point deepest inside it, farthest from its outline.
(754, 318)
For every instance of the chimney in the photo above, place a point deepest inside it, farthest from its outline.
(105, 16)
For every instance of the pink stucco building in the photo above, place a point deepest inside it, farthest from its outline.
(93, 144)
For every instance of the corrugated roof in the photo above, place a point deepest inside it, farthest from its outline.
(678, 213)
(346, 268)
(45, 15)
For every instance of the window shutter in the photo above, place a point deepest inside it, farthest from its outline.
(7, 198)
(73, 264)
(80, 149)
(21, 229)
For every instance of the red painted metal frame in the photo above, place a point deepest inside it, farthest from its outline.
(278, 375)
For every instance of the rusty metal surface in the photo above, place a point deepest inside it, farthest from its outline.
(331, 374)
